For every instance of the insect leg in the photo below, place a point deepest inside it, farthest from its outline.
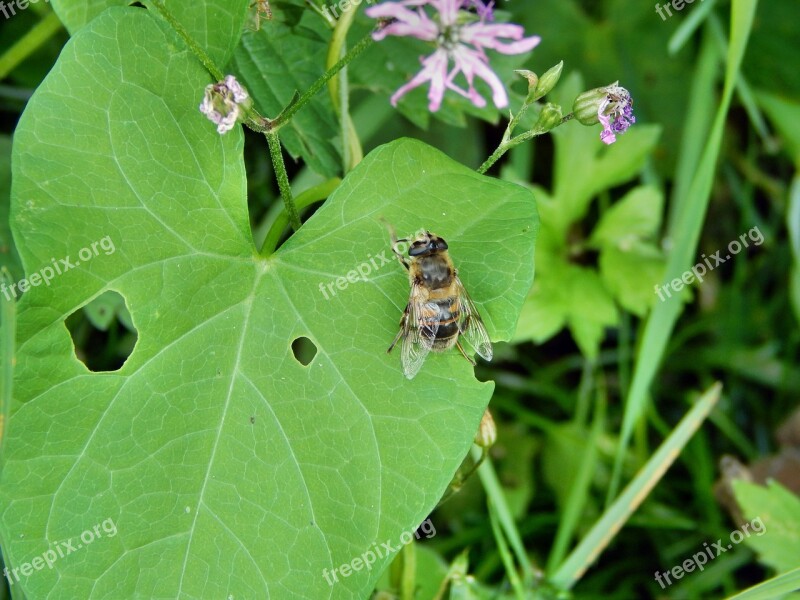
(403, 329)
(464, 354)
(395, 242)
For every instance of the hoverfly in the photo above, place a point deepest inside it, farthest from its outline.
(439, 312)
(263, 11)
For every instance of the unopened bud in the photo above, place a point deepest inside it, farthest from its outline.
(586, 105)
(533, 80)
(548, 81)
(487, 431)
(549, 117)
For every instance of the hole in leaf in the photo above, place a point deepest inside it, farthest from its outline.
(103, 334)
(304, 350)
(137, 5)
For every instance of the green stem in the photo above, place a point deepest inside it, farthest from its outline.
(193, 46)
(352, 152)
(290, 110)
(506, 145)
(282, 178)
(314, 194)
(29, 43)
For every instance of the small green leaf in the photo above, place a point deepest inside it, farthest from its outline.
(635, 217)
(775, 529)
(631, 275)
(545, 311)
(591, 309)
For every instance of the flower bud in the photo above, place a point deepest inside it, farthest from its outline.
(533, 81)
(548, 81)
(586, 105)
(487, 431)
(549, 117)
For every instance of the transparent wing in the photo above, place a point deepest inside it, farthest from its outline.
(422, 327)
(470, 325)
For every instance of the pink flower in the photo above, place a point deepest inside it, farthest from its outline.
(222, 103)
(461, 37)
(615, 113)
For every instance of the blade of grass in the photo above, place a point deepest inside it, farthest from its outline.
(793, 225)
(685, 233)
(634, 494)
(494, 492)
(743, 91)
(579, 493)
(29, 43)
(698, 120)
(688, 26)
(505, 554)
(772, 588)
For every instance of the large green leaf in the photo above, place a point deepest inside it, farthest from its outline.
(214, 24)
(227, 468)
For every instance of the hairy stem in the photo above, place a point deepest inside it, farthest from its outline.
(515, 141)
(290, 110)
(282, 178)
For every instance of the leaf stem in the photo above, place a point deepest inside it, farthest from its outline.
(293, 107)
(283, 179)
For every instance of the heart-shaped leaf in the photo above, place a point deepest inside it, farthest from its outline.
(214, 464)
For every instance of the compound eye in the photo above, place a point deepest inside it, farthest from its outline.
(416, 249)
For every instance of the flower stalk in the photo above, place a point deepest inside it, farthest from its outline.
(304, 98)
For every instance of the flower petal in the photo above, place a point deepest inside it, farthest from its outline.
(407, 22)
(607, 135)
(448, 10)
(434, 70)
(485, 35)
(470, 63)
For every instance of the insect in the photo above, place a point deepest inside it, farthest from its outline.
(439, 313)
(263, 11)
